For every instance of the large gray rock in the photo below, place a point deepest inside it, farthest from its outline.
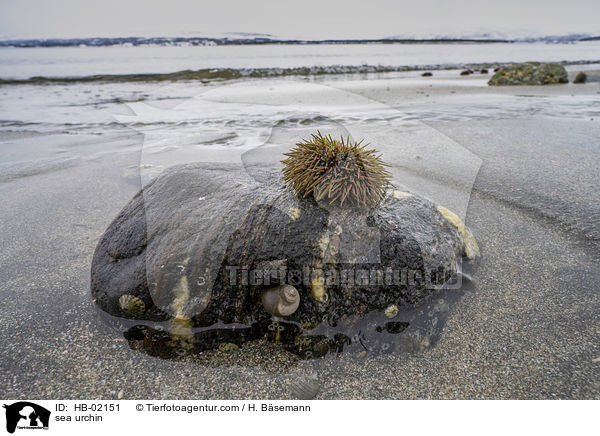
(189, 258)
(529, 73)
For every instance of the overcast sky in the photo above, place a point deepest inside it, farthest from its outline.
(306, 19)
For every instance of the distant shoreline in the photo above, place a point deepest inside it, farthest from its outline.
(222, 74)
(211, 41)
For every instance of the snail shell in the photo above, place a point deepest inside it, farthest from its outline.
(228, 347)
(305, 388)
(132, 306)
(281, 300)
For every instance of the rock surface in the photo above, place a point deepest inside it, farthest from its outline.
(200, 244)
(581, 77)
(529, 73)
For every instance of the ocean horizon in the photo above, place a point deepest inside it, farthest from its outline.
(245, 38)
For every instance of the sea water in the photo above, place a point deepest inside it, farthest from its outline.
(76, 61)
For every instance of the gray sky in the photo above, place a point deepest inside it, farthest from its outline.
(299, 18)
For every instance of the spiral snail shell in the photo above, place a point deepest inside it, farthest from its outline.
(305, 388)
(281, 300)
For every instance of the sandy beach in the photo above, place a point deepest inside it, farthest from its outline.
(528, 327)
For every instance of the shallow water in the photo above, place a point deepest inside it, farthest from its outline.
(23, 63)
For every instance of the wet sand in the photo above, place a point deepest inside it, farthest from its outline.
(528, 328)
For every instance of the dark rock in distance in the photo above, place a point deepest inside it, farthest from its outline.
(427, 74)
(466, 72)
(483, 71)
(529, 73)
(581, 77)
(188, 244)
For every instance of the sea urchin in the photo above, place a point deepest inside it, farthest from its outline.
(337, 171)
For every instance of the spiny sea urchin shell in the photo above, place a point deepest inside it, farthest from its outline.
(132, 306)
(338, 171)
